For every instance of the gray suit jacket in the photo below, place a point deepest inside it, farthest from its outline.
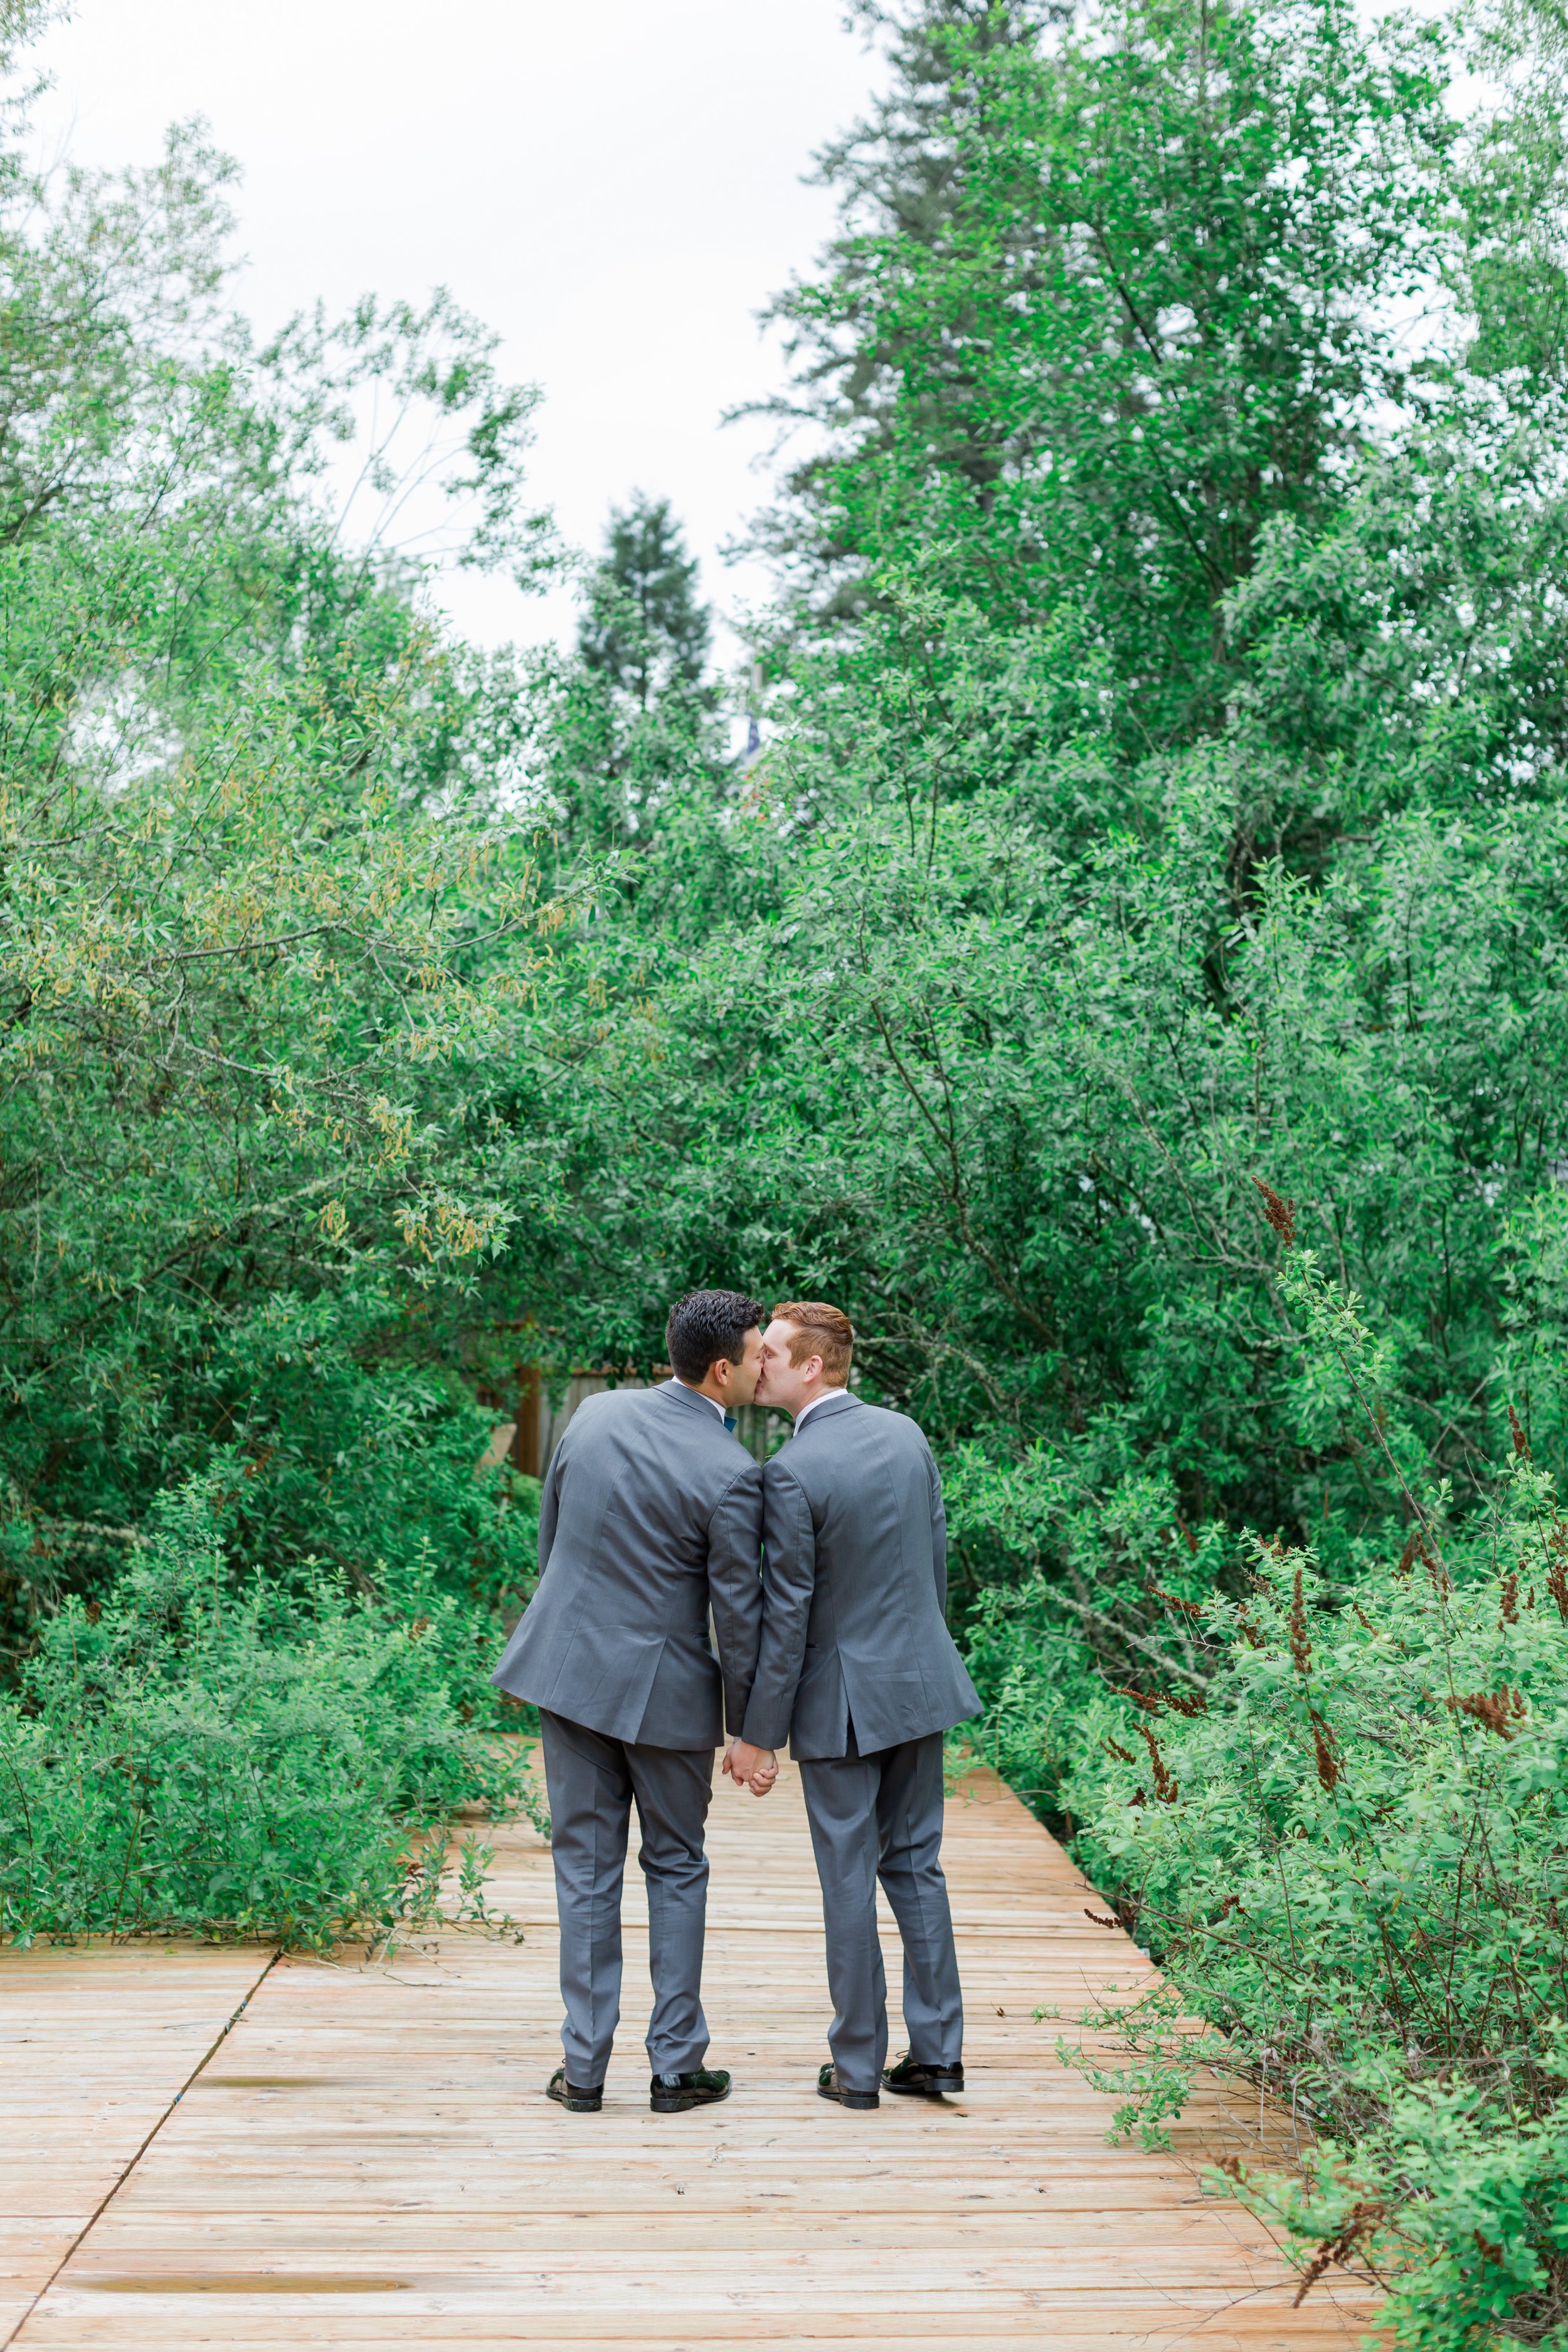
(855, 1586)
(651, 1516)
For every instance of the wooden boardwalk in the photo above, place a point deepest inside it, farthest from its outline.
(365, 2161)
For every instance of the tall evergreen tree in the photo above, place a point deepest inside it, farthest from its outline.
(643, 626)
(633, 744)
(1107, 298)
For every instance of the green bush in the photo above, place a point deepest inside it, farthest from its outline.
(256, 1757)
(1345, 1840)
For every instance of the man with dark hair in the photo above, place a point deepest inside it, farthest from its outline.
(709, 1326)
(858, 1670)
(650, 1523)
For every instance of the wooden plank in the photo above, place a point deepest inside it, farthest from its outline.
(96, 2043)
(369, 2162)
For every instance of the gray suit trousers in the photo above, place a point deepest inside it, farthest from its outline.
(874, 1817)
(593, 1781)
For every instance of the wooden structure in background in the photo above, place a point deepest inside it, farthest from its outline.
(537, 1421)
(365, 2161)
(528, 1445)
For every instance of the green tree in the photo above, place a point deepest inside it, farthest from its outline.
(264, 912)
(1107, 298)
(631, 742)
(642, 626)
(1017, 999)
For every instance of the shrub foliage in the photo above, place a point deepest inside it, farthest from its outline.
(247, 1758)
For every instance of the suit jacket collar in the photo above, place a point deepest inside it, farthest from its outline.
(829, 1410)
(689, 1400)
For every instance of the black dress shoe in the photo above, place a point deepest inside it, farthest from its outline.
(671, 2095)
(916, 2079)
(575, 2101)
(828, 2086)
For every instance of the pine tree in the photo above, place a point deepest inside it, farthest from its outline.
(643, 626)
(1107, 297)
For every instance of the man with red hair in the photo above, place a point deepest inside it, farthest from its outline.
(859, 1670)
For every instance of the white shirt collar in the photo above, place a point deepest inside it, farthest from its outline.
(677, 1382)
(820, 1397)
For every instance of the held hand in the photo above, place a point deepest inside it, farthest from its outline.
(751, 1768)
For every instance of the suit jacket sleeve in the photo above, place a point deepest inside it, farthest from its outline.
(549, 1510)
(789, 1581)
(734, 1588)
(938, 1534)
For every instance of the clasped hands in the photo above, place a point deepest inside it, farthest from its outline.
(751, 1768)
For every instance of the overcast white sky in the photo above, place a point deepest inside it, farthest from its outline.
(615, 187)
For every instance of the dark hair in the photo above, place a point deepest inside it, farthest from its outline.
(706, 1325)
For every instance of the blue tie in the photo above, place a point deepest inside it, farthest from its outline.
(729, 1423)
